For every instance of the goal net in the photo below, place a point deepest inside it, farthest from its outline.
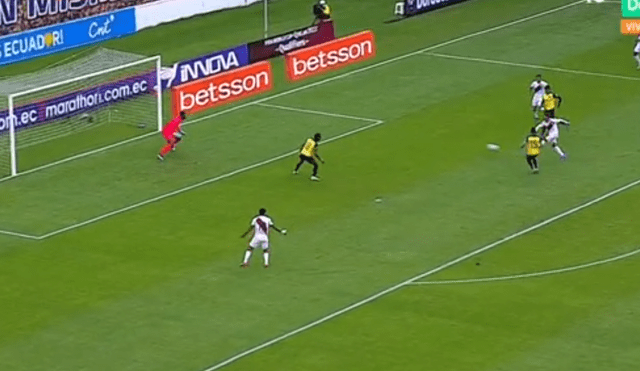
(73, 110)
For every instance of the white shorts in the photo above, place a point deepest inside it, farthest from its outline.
(259, 243)
(636, 50)
(553, 139)
(536, 101)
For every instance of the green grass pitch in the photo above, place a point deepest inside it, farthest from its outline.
(118, 262)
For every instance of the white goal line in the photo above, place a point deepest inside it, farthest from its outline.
(531, 66)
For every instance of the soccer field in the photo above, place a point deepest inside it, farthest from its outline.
(466, 261)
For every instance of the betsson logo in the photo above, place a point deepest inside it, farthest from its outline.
(330, 55)
(217, 90)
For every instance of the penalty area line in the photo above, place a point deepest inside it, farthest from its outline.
(319, 113)
(202, 183)
(530, 275)
(420, 276)
(20, 235)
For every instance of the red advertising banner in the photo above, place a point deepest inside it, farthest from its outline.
(221, 89)
(331, 55)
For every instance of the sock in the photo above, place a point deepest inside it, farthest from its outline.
(535, 164)
(530, 163)
(558, 150)
(298, 165)
(166, 149)
(266, 258)
(535, 114)
(637, 58)
(247, 256)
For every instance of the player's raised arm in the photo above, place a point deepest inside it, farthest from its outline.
(563, 122)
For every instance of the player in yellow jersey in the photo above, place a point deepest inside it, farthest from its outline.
(550, 101)
(309, 153)
(532, 144)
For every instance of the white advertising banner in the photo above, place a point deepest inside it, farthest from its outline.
(155, 13)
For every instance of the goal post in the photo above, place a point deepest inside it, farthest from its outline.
(52, 123)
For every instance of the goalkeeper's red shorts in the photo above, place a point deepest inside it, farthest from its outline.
(169, 137)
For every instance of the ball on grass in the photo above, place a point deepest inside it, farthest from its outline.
(493, 147)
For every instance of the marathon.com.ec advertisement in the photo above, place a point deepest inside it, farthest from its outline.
(83, 101)
(53, 39)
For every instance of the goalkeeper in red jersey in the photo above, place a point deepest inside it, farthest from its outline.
(172, 133)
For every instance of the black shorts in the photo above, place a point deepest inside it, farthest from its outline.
(531, 157)
(308, 159)
(550, 113)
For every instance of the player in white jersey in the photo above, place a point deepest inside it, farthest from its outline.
(537, 88)
(549, 131)
(261, 226)
(636, 51)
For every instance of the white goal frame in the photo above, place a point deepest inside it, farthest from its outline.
(11, 98)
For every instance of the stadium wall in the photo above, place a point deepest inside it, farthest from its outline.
(155, 13)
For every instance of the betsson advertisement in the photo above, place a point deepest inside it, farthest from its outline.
(329, 56)
(54, 39)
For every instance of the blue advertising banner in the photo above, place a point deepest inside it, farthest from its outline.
(204, 66)
(412, 7)
(83, 101)
(54, 39)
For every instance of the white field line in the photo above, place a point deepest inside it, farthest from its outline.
(532, 66)
(433, 271)
(202, 183)
(21, 235)
(312, 85)
(531, 275)
(312, 112)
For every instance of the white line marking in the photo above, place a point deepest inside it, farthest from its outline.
(530, 275)
(532, 66)
(321, 113)
(21, 235)
(81, 155)
(200, 184)
(312, 85)
(422, 275)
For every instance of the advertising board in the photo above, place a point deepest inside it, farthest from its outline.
(54, 39)
(293, 40)
(82, 101)
(204, 66)
(221, 89)
(329, 56)
(422, 6)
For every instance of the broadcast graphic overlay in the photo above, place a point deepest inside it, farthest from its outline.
(630, 23)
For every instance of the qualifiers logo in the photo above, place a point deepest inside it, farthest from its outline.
(221, 89)
(332, 55)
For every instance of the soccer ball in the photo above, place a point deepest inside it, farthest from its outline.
(493, 147)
